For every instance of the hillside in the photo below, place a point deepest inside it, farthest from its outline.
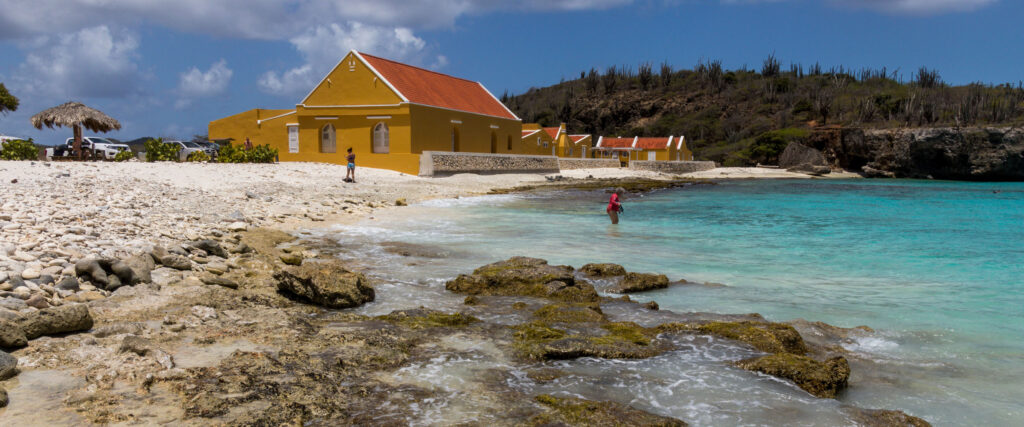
(744, 117)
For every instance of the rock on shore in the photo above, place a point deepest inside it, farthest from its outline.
(821, 379)
(326, 284)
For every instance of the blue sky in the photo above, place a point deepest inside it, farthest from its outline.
(168, 68)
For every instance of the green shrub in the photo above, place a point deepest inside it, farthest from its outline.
(19, 149)
(767, 147)
(124, 156)
(258, 154)
(158, 151)
(198, 156)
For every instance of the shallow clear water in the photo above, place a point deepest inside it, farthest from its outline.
(934, 267)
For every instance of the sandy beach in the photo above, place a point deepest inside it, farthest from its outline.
(128, 289)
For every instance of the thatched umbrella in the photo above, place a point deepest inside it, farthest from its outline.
(77, 116)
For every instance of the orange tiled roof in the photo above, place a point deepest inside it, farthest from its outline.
(439, 90)
(617, 142)
(553, 132)
(652, 143)
(577, 138)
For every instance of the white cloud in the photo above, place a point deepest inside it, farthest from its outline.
(256, 19)
(322, 47)
(918, 6)
(94, 62)
(194, 83)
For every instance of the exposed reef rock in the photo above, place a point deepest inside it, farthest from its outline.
(618, 340)
(603, 270)
(326, 284)
(765, 336)
(641, 282)
(579, 412)
(524, 276)
(821, 379)
(885, 418)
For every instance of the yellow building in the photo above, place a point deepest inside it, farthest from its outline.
(386, 111)
(537, 141)
(577, 146)
(637, 148)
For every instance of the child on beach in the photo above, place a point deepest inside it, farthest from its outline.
(350, 176)
(614, 206)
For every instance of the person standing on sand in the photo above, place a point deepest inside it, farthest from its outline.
(614, 206)
(248, 144)
(351, 174)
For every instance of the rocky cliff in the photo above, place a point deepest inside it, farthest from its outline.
(976, 154)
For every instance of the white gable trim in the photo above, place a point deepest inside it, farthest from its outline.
(381, 76)
(275, 117)
(682, 140)
(502, 104)
(531, 134)
(367, 64)
(669, 143)
(599, 141)
(635, 140)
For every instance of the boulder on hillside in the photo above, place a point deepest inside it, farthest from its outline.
(603, 270)
(56, 320)
(797, 154)
(821, 379)
(526, 277)
(327, 284)
(640, 282)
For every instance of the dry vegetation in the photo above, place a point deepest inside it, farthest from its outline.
(741, 117)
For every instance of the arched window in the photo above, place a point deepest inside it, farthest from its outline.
(327, 139)
(381, 138)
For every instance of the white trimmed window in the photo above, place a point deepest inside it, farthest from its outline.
(328, 143)
(381, 138)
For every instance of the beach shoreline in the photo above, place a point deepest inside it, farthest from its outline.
(152, 339)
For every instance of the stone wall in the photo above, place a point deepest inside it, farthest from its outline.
(441, 163)
(670, 167)
(569, 163)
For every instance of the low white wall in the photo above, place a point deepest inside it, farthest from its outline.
(441, 163)
(670, 167)
(565, 163)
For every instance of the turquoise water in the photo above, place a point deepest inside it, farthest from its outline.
(934, 267)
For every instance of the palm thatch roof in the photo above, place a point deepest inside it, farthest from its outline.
(75, 113)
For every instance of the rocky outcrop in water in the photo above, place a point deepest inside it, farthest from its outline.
(821, 379)
(641, 282)
(885, 418)
(527, 277)
(603, 270)
(571, 411)
(326, 284)
(976, 154)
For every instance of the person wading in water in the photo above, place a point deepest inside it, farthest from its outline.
(614, 206)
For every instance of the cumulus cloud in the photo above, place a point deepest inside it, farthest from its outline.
(256, 19)
(322, 47)
(97, 62)
(195, 83)
(918, 6)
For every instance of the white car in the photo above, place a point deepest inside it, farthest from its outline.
(185, 148)
(100, 146)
